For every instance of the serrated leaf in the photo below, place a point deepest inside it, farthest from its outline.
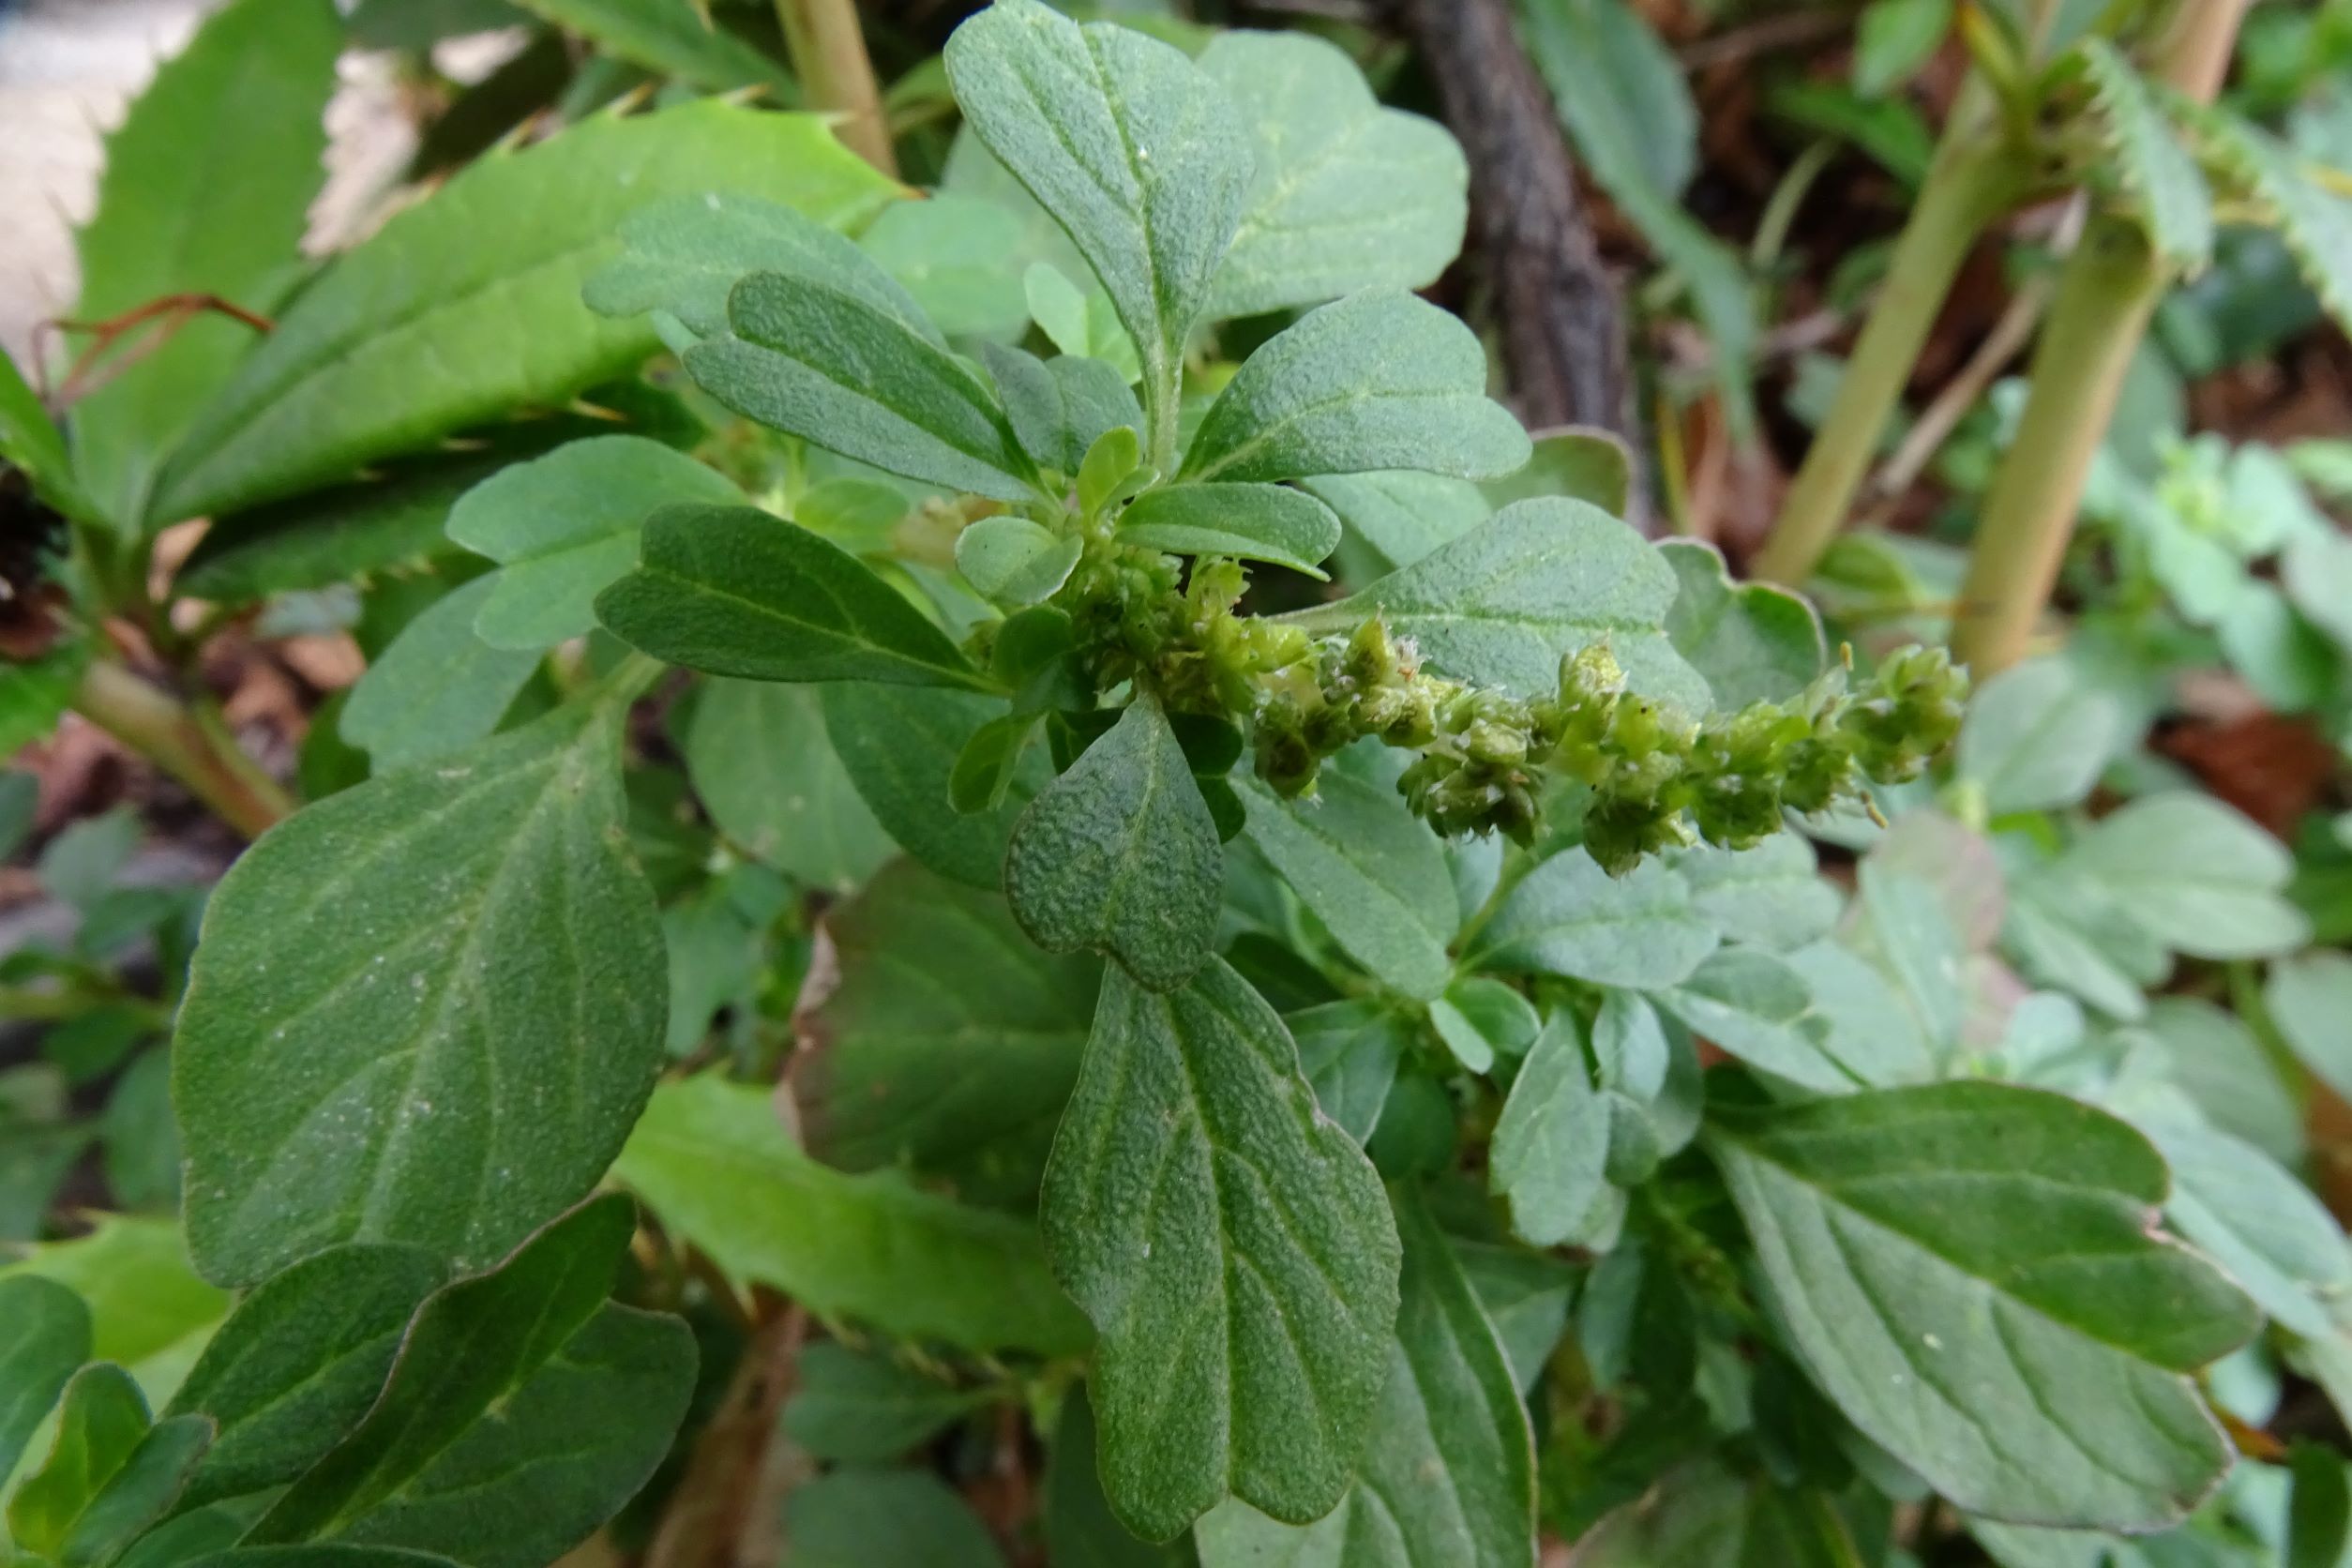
(101, 1419)
(1501, 604)
(1120, 854)
(669, 40)
(1348, 195)
(1969, 1272)
(523, 1411)
(1552, 1142)
(431, 327)
(439, 687)
(759, 759)
(683, 256)
(1380, 380)
(1571, 918)
(847, 1406)
(1137, 153)
(2037, 735)
(248, 93)
(1397, 516)
(1349, 1051)
(2315, 221)
(415, 968)
(300, 1363)
(1771, 895)
(1061, 406)
(899, 744)
(1249, 523)
(1234, 1251)
(2174, 207)
(1756, 1007)
(565, 526)
(737, 591)
(2195, 874)
(1372, 871)
(1447, 1478)
(951, 1043)
(1753, 641)
(48, 1342)
(713, 1163)
(827, 365)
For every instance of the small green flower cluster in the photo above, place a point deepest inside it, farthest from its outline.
(1658, 779)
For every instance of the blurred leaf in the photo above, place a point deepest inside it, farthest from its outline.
(1895, 39)
(760, 760)
(439, 687)
(667, 38)
(850, 1406)
(863, 1517)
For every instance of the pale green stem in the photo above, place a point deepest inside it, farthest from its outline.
(190, 744)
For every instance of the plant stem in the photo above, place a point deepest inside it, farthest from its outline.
(190, 744)
(2107, 292)
(828, 50)
(1978, 174)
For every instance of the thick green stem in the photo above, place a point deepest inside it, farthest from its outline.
(191, 746)
(2109, 287)
(828, 50)
(1976, 177)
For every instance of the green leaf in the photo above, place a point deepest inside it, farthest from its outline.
(1348, 195)
(1137, 153)
(1234, 1251)
(1576, 461)
(248, 94)
(523, 1411)
(850, 1406)
(2037, 736)
(671, 41)
(1398, 517)
(951, 1043)
(879, 1518)
(2319, 1512)
(1705, 1514)
(2145, 152)
(414, 967)
(2195, 875)
(1771, 896)
(1371, 871)
(148, 1310)
(565, 526)
(1757, 1007)
(759, 759)
(30, 441)
(1013, 560)
(300, 1363)
(1481, 1018)
(1526, 1296)
(48, 1340)
(683, 255)
(1082, 323)
(2308, 998)
(140, 1492)
(439, 687)
(467, 305)
(1864, 1026)
(1380, 380)
(2273, 1235)
(1552, 1142)
(1062, 406)
(1250, 522)
(2064, 928)
(1080, 1526)
(100, 1422)
(1894, 38)
(333, 535)
(2314, 221)
(1501, 604)
(713, 1163)
(1571, 918)
(1969, 1270)
(737, 591)
(1120, 854)
(899, 744)
(1753, 641)
(1350, 1052)
(961, 258)
(2218, 1061)
(329, 1555)
(1447, 1478)
(1903, 927)
(827, 364)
